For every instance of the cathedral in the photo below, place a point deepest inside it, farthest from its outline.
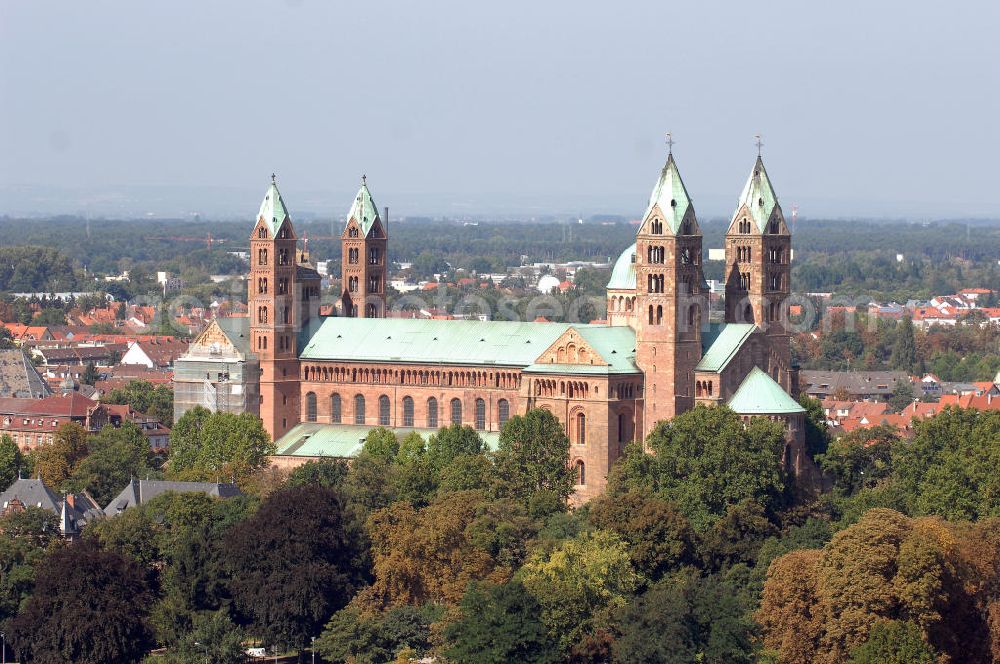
(324, 381)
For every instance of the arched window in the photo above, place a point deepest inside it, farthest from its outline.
(480, 414)
(581, 429)
(581, 473)
(359, 409)
(456, 411)
(659, 314)
(383, 410)
(262, 233)
(311, 407)
(503, 411)
(407, 411)
(371, 310)
(432, 413)
(748, 314)
(335, 408)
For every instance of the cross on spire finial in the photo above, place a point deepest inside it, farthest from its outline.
(364, 179)
(759, 143)
(273, 178)
(670, 143)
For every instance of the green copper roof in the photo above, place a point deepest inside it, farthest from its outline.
(760, 395)
(758, 196)
(344, 441)
(470, 342)
(273, 209)
(363, 210)
(670, 196)
(623, 273)
(722, 343)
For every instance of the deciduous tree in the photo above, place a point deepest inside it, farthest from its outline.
(500, 624)
(581, 578)
(292, 563)
(89, 606)
(533, 456)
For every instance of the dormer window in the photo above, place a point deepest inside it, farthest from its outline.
(673, 203)
(760, 202)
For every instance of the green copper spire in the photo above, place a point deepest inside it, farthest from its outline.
(272, 208)
(758, 196)
(670, 196)
(364, 210)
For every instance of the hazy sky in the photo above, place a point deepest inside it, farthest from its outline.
(880, 108)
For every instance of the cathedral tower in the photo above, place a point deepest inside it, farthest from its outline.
(758, 257)
(670, 295)
(363, 259)
(273, 310)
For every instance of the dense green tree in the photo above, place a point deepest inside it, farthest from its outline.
(24, 539)
(324, 472)
(51, 316)
(55, 463)
(11, 461)
(213, 638)
(451, 442)
(294, 562)
(949, 467)
(218, 446)
(902, 395)
(115, 456)
(894, 642)
(705, 460)
(381, 442)
(737, 536)
(532, 456)
(904, 350)
(6, 339)
(372, 638)
(579, 580)
(500, 624)
(817, 432)
(144, 397)
(861, 458)
(89, 606)
(660, 539)
(685, 618)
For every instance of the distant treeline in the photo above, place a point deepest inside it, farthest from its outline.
(842, 256)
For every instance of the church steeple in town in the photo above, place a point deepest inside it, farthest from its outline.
(363, 258)
(669, 290)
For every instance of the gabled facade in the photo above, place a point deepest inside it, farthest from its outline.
(219, 372)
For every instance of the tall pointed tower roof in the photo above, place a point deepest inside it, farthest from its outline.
(758, 196)
(272, 209)
(364, 210)
(670, 196)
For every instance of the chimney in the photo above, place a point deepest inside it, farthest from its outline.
(71, 500)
